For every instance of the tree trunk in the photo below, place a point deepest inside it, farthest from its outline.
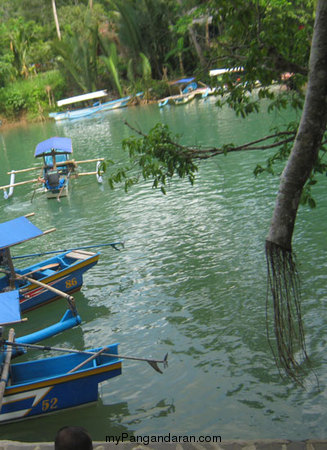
(194, 40)
(56, 18)
(282, 274)
(308, 139)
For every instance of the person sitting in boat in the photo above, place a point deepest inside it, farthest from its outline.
(52, 180)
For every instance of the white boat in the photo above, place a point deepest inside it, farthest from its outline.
(97, 107)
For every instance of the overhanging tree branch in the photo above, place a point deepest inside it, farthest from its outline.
(208, 152)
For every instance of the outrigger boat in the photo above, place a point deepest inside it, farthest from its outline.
(188, 90)
(44, 281)
(52, 384)
(28, 388)
(96, 108)
(10, 313)
(43, 386)
(57, 168)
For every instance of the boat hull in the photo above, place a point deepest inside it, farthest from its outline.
(64, 272)
(44, 386)
(75, 114)
(54, 193)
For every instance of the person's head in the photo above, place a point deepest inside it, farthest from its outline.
(73, 438)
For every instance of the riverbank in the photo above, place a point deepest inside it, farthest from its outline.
(274, 444)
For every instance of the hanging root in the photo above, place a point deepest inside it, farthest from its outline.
(284, 288)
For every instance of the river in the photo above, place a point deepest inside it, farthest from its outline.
(191, 282)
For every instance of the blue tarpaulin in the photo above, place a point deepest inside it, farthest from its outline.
(9, 307)
(16, 231)
(58, 144)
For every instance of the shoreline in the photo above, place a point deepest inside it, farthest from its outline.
(9, 125)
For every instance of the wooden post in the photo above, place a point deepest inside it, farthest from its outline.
(5, 370)
(68, 297)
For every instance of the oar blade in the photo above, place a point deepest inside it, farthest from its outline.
(165, 361)
(155, 366)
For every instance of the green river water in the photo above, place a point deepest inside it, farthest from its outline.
(191, 281)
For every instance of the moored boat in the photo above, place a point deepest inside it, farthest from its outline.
(52, 384)
(44, 281)
(188, 91)
(88, 111)
(55, 152)
(57, 168)
(46, 385)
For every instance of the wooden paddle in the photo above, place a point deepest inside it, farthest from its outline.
(153, 362)
(82, 364)
(69, 298)
(49, 266)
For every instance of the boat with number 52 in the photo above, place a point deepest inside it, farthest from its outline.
(52, 384)
(42, 386)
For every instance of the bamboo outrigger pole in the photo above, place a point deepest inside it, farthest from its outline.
(20, 183)
(60, 293)
(85, 247)
(5, 370)
(75, 163)
(24, 170)
(86, 173)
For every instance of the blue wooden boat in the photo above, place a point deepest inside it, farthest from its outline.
(49, 385)
(114, 104)
(88, 111)
(186, 86)
(34, 388)
(57, 169)
(44, 281)
(55, 152)
(75, 114)
(10, 314)
(81, 112)
(188, 91)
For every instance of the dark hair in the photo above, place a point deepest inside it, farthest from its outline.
(73, 438)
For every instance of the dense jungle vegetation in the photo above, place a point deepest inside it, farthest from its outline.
(50, 49)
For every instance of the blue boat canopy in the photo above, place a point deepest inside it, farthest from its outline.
(9, 307)
(16, 231)
(54, 144)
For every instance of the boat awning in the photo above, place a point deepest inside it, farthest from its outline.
(9, 307)
(217, 72)
(16, 231)
(81, 98)
(56, 144)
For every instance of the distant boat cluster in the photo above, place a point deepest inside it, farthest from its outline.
(188, 88)
(96, 108)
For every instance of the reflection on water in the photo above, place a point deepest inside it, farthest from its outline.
(191, 281)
